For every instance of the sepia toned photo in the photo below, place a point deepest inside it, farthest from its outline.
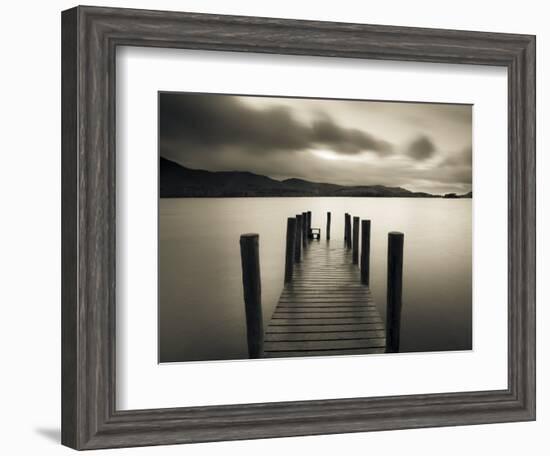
(298, 227)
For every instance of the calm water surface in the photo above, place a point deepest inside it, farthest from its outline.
(201, 314)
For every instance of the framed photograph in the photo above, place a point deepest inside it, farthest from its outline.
(278, 228)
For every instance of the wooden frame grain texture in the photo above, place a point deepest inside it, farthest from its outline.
(90, 36)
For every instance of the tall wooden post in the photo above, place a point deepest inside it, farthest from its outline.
(328, 225)
(394, 292)
(355, 254)
(365, 251)
(308, 222)
(298, 241)
(346, 216)
(304, 228)
(250, 261)
(347, 230)
(290, 242)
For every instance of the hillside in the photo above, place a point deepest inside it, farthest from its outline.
(177, 181)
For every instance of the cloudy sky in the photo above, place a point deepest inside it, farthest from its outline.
(418, 146)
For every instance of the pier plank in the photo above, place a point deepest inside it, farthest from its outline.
(312, 345)
(343, 327)
(338, 335)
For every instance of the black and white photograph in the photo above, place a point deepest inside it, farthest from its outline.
(297, 227)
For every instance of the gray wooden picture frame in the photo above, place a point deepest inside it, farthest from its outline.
(90, 36)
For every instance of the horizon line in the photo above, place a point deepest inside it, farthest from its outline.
(309, 181)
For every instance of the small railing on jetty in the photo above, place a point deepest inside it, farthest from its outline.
(326, 306)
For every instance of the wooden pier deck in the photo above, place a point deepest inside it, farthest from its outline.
(324, 309)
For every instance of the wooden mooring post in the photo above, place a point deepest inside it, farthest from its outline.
(298, 241)
(304, 228)
(328, 226)
(394, 292)
(345, 228)
(347, 231)
(355, 252)
(250, 261)
(308, 223)
(365, 252)
(290, 243)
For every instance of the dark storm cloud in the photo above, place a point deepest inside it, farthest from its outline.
(202, 123)
(347, 140)
(421, 148)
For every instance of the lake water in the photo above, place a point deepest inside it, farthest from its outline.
(201, 314)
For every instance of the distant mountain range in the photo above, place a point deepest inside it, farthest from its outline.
(177, 181)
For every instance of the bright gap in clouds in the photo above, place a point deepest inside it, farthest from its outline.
(332, 156)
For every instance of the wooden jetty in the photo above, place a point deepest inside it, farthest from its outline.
(326, 306)
(324, 309)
